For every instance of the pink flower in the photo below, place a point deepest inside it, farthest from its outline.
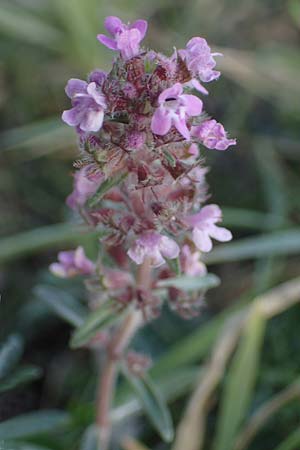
(212, 135)
(72, 263)
(125, 38)
(88, 105)
(199, 59)
(190, 262)
(86, 182)
(204, 227)
(174, 108)
(116, 279)
(154, 246)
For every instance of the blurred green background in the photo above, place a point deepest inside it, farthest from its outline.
(43, 43)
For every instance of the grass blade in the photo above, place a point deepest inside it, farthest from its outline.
(285, 242)
(34, 423)
(235, 401)
(10, 354)
(63, 304)
(153, 404)
(22, 376)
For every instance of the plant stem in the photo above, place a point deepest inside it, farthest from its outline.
(115, 351)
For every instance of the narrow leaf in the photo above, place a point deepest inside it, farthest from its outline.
(105, 316)
(104, 188)
(20, 377)
(10, 353)
(63, 304)
(240, 382)
(278, 243)
(34, 423)
(174, 265)
(90, 439)
(188, 283)
(153, 404)
(36, 240)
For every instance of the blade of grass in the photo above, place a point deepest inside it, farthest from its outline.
(267, 410)
(33, 241)
(285, 242)
(235, 401)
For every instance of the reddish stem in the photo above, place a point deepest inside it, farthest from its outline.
(109, 374)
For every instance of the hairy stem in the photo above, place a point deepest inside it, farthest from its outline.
(119, 343)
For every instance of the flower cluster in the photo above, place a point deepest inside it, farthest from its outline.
(140, 179)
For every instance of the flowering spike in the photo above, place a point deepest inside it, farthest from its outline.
(141, 180)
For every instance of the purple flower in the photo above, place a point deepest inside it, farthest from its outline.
(154, 246)
(204, 227)
(190, 262)
(88, 105)
(199, 59)
(125, 38)
(72, 263)
(174, 108)
(86, 182)
(212, 135)
(97, 76)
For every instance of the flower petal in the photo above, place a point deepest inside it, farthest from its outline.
(92, 120)
(141, 25)
(220, 234)
(181, 126)
(161, 122)
(168, 247)
(172, 92)
(108, 42)
(75, 86)
(202, 240)
(193, 104)
(72, 116)
(113, 24)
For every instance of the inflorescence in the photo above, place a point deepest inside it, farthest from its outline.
(140, 178)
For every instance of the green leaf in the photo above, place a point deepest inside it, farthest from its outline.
(63, 304)
(174, 265)
(105, 316)
(33, 241)
(10, 354)
(188, 283)
(153, 404)
(105, 187)
(273, 244)
(35, 423)
(90, 439)
(240, 381)
(21, 376)
(292, 442)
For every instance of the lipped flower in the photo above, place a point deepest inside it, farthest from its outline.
(86, 182)
(190, 262)
(175, 108)
(199, 59)
(88, 104)
(125, 38)
(205, 228)
(213, 135)
(72, 263)
(155, 247)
